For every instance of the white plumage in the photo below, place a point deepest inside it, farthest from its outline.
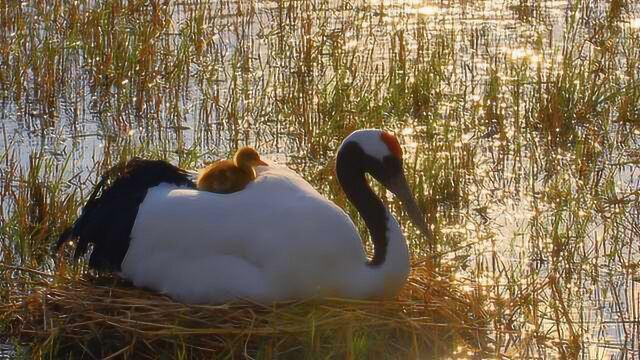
(277, 239)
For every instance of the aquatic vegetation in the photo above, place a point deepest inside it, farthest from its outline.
(520, 122)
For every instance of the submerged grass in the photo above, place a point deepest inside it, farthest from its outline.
(520, 123)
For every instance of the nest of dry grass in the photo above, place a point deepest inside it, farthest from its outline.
(98, 317)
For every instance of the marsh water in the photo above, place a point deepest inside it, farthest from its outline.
(520, 123)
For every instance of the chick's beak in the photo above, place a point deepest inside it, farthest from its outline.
(260, 162)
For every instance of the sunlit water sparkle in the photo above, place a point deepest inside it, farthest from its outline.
(508, 202)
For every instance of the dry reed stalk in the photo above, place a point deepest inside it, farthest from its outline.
(105, 317)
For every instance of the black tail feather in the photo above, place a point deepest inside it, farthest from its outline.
(108, 216)
(72, 232)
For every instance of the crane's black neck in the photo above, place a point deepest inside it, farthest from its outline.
(351, 165)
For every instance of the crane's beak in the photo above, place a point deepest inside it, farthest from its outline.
(400, 188)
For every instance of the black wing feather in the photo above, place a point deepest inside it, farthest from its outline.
(110, 212)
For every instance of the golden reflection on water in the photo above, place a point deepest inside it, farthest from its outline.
(397, 2)
(502, 213)
(407, 131)
(525, 54)
(424, 10)
(416, 7)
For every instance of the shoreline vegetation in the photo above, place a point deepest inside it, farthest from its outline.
(520, 123)
(102, 317)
